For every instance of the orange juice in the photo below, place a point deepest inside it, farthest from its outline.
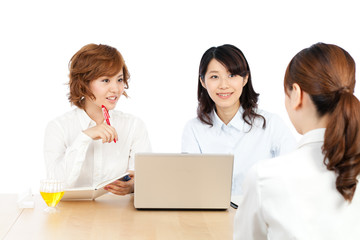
(52, 199)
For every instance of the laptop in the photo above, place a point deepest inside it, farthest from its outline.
(183, 181)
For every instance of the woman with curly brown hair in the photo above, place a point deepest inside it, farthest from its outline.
(311, 193)
(80, 147)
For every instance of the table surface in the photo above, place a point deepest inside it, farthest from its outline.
(110, 217)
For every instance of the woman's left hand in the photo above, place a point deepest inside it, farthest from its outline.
(120, 187)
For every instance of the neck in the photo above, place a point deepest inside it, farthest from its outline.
(315, 123)
(94, 112)
(226, 114)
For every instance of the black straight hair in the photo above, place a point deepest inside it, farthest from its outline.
(234, 60)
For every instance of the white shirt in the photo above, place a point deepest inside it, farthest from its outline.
(82, 162)
(248, 146)
(295, 197)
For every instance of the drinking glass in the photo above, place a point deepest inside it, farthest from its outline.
(51, 191)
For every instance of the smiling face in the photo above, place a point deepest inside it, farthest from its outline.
(107, 91)
(223, 87)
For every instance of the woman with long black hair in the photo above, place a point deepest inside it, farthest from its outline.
(228, 120)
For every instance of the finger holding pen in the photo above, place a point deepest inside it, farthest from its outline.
(103, 131)
(110, 133)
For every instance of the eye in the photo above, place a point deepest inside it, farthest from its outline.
(214, 77)
(105, 80)
(120, 79)
(232, 75)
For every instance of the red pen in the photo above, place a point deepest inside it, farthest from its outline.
(106, 116)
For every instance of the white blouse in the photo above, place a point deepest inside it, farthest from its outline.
(81, 161)
(295, 197)
(247, 145)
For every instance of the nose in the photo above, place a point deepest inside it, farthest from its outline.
(224, 84)
(116, 87)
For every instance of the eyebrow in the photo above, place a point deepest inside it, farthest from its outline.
(120, 75)
(213, 72)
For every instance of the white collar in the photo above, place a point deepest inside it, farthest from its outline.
(85, 120)
(316, 135)
(237, 121)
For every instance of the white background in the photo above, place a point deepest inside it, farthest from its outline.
(162, 43)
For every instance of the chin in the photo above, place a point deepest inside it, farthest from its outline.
(109, 106)
(227, 105)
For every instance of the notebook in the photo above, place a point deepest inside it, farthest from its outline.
(183, 181)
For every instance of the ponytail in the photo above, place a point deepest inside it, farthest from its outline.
(342, 143)
(327, 73)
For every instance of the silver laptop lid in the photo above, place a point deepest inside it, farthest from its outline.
(189, 181)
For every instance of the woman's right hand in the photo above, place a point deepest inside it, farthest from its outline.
(103, 131)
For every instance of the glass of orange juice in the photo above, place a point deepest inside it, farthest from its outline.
(51, 191)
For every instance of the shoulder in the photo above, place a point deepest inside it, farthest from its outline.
(64, 123)
(288, 164)
(195, 123)
(273, 120)
(269, 116)
(259, 120)
(271, 163)
(65, 118)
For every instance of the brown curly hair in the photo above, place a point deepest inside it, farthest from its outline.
(89, 63)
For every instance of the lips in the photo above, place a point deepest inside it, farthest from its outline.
(112, 98)
(224, 95)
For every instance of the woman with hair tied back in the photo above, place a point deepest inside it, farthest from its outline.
(80, 147)
(311, 193)
(228, 120)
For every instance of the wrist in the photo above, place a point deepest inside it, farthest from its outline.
(88, 133)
